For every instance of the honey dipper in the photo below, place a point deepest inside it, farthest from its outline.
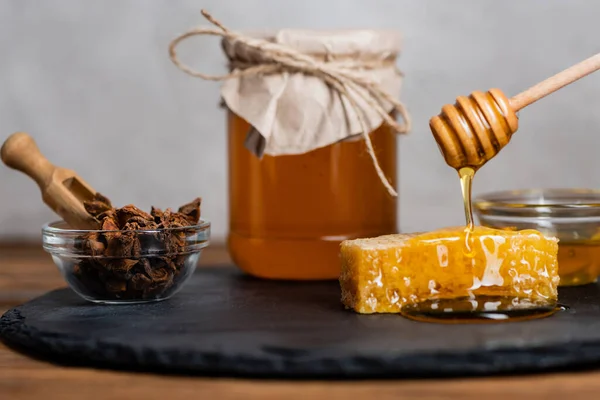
(477, 127)
(62, 189)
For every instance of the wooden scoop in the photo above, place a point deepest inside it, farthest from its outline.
(62, 190)
(477, 127)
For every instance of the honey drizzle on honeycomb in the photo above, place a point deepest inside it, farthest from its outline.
(385, 273)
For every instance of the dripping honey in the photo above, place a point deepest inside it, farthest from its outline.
(474, 309)
(474, 305)
(288, 214)
(466, 175)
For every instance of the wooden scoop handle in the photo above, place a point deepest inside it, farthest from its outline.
(555, 82)
(20, 152)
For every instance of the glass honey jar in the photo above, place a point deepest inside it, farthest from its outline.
(312, 144)
(290, 210)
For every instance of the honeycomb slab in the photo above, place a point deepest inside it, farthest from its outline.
(382, 274)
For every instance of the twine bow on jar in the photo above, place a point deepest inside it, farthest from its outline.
(343, 76)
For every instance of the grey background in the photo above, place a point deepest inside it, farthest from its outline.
(92, 81)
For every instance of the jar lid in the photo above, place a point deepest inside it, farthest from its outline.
(360, 43)
(304, 89)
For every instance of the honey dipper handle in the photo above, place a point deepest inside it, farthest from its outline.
(555, 82)
(20, 152)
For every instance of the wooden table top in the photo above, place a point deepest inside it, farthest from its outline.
(26, 271)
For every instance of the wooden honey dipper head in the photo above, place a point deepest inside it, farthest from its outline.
(477, 127)
(474, 129)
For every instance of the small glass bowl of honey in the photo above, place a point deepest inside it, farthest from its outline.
(572, 215)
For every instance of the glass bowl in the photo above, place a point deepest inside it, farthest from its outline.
(125, 267)
(572, 215)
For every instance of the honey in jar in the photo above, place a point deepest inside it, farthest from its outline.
(578, 262)
(289, 213)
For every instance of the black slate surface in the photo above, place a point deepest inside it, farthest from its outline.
(226, 324)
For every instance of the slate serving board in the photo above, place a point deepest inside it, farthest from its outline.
(224, 323)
